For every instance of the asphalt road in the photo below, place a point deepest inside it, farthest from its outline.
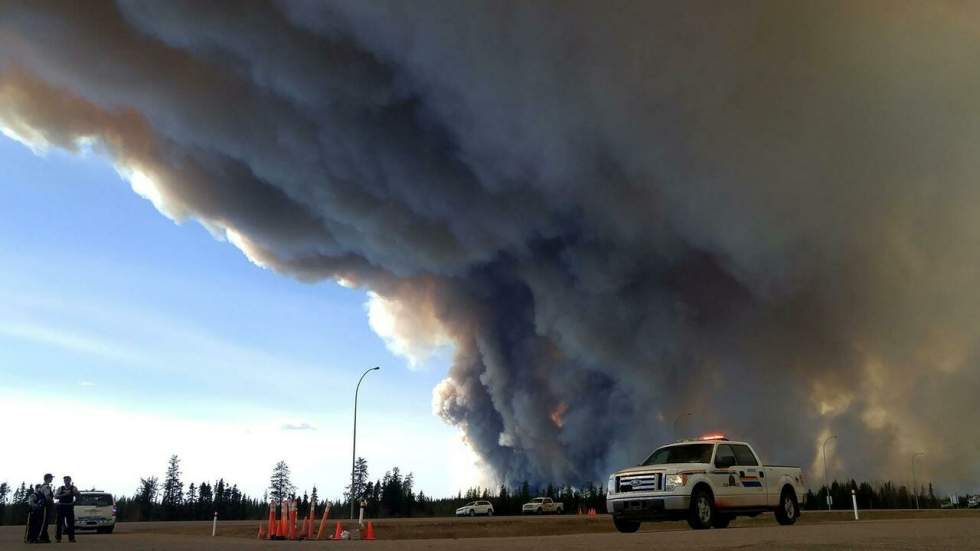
(917, 534)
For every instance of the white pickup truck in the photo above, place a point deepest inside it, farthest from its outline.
(708, 481)
(542, 505)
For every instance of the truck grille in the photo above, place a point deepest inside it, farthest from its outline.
(649, 482)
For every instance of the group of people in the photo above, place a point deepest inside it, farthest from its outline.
(47, 504)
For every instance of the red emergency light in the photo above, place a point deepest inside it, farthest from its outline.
(714, 436)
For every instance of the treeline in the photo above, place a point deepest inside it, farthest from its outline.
(394, 495)
(879, 495)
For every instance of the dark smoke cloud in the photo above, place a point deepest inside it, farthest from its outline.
(763, 213)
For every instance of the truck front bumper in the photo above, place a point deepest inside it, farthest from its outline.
(648, 507)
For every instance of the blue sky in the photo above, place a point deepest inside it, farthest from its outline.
(130, 337)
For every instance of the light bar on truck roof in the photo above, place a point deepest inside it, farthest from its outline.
(713, 436)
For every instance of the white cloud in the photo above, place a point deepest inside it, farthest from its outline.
(69, 340)
(298, 426)
(242, 447)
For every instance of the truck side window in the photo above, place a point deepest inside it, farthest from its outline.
(724, 450)
(744, 456)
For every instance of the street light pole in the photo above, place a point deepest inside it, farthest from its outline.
(915, 485)
(353, 460)
(826, 482)
(677, 420)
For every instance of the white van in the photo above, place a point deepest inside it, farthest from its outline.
(95, 510)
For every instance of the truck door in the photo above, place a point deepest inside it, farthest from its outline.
(724, 478)
(750, 476)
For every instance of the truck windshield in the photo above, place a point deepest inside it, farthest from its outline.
(690, 453)
(97, 500)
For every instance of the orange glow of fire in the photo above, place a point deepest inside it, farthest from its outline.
(558, 414)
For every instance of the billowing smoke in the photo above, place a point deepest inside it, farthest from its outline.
(764, 214)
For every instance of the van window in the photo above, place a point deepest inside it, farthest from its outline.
(744, 456)
(95, 500)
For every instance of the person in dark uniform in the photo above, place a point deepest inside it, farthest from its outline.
(66, 495)
(35, 516)
(48, 496)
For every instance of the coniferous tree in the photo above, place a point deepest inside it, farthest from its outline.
(146, 496)
(4, 495)
(173, 489)
(360, 480)
(205, 500)
(280, 487)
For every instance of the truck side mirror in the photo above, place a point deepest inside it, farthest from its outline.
(724, 462)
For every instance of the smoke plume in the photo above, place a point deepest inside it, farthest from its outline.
(764, 213)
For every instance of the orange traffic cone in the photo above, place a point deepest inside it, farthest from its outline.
(297, 530)
(309, 525)
(261, 531)
(283, 511)
(336, 532)
(272, 520)
(323, 523)
(292, 525)
(370, 532)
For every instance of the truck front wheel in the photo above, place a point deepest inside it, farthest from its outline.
(626, 526)
(702, 513)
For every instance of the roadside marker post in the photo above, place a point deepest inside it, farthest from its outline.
(214, 525)
(854, 501)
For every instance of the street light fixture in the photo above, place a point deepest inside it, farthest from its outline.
(677, 420)
(915, 485)
(825, 478)
(353, 460)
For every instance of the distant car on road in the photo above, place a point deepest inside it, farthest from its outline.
(708, 481)
(95, 510)
(543, 505)
(474, 508)
(973, 502)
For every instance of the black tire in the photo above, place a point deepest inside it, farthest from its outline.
(722, 521)
(490, 513)
(626, 526)
(788, 510)
(702, 514)
(472, 512)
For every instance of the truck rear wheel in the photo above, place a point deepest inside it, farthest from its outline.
(702, 513)
(788, 510)
(626, 526)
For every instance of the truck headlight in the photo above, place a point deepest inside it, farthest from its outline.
(611, 484)
(674, 481)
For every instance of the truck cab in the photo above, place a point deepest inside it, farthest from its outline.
(708, 482)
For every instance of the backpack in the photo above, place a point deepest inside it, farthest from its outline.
(36, 501)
